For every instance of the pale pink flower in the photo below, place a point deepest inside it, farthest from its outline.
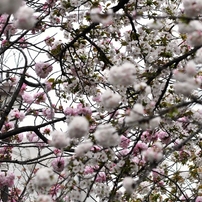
(40, 97)
(192, 7)
(123, 152)
(4, 43)
(82, 148)
(23, 88)
(139, 147)
(2, 179)
(59, 139)
(10, 179)
(95, 148)
(49, 41)
(94, 14)
(57, 152)
(69, 111)
(101, 177)
(48, 85)
(38, 142)
(78, 127)
(198, 199)
(183, 119)
(44, 177)
(156, 173)
(164, 137)
(97, 98)
(2, 150)
(48, 113)
(106, 136)
(151, 154)
(54, 190)
(139, 161)
(20, 137)
(25, 18)
(58, 164)
(86, 111)
(82, 110)
(195, 38)
(129, 184)
(9, 7)
(30, 136)
(190, 68)
(44, 198)
(13, 80)
(110, 100)
(22, 42)
(16, 114)
(27, 98)
(6, 180)
(88, 170)
(7, 126)
(124, 75)
(148, 136)
(154, 122)
(43, 69)
(124, 142)
(98, 17)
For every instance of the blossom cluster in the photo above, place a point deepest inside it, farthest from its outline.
(22, 13)
(78, 128)
(116, 105)
(193, 28)
(123, 75)
(98, 17)
(187, 83)
(106, 136)
(6, 179)
(42, 69)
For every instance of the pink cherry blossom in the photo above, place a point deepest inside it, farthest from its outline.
(48, 113)
(164, 137)
(30, 136)
(88, 170)
(101, 177)
(198, 199)
(59, 139)
(7, 126)
(43, 69)
(58, 164)
(27, 98)
(40, 97)
(23, 88)
(25, 18)
(139, 147)
(124, 142)
(16, 114)
(48, 86)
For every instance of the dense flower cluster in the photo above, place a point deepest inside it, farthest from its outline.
(123, 75)
(44, 178)
(118, 118)
(59, 139)
(187, 83)
(43, 69)
(23, 14)
(106, 136)
(25, 18)
(78, 127)
(6, 179)
(9, 7)
(110, 100)
(98, 17)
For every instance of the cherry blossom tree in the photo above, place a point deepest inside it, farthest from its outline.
(100, 100)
